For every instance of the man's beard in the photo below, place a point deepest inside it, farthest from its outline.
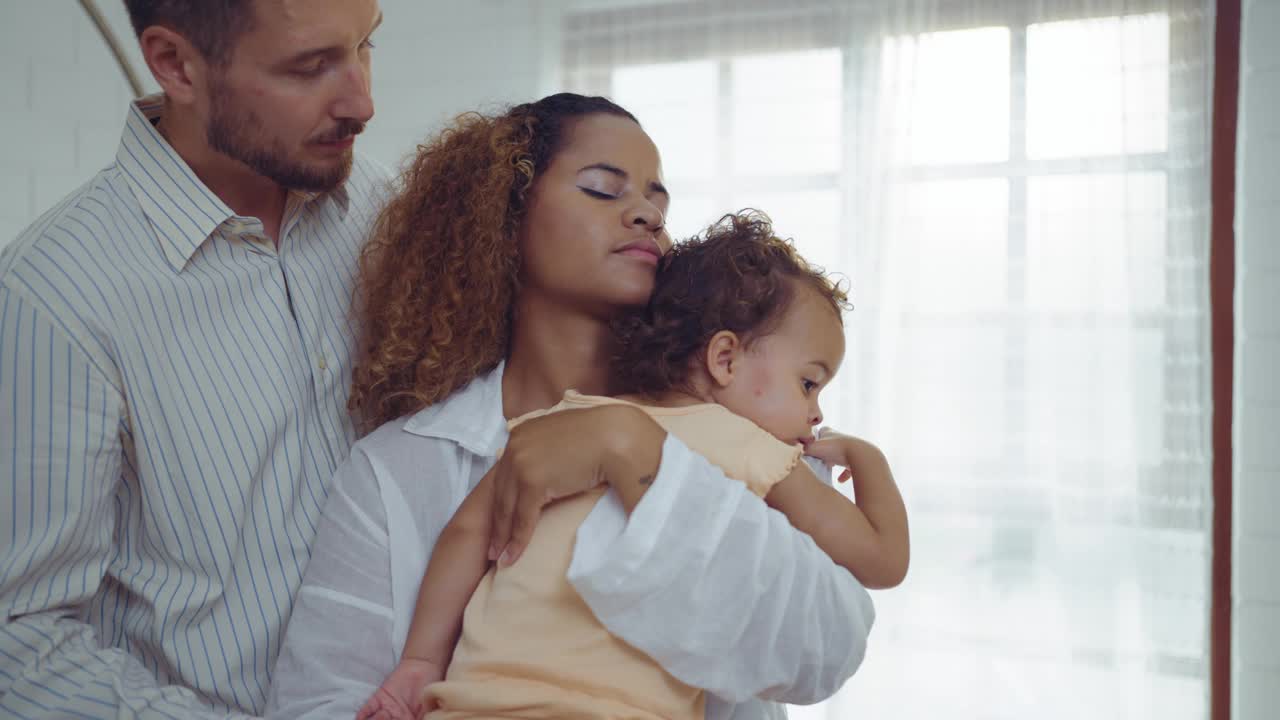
(237, 132)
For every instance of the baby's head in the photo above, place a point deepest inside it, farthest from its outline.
(739, 318)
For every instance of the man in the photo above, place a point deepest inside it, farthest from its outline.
(175, 349)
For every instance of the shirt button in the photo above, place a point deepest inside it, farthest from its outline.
(324, 364)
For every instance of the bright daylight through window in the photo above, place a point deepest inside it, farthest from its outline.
(1020, 205)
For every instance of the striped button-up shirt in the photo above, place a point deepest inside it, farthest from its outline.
(173, 390)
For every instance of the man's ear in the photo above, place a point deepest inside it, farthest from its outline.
(724, 350)
(179, 69)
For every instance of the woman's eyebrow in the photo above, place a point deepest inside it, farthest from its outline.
(654, 186)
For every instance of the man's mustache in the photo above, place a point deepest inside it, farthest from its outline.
(346, 128)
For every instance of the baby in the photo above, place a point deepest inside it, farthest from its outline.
(731, 354)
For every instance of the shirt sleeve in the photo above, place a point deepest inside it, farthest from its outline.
(719, 589)
(339, 645)
(61, 459)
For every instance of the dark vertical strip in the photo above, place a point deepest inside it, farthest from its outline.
(1222, 272)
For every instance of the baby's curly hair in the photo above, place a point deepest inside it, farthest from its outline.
(439, 276)
(736, 276)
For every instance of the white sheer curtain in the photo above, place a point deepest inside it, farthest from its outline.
(1018, 193)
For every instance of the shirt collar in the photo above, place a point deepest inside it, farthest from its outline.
(338, 195)
(182, 210)
(471, 417)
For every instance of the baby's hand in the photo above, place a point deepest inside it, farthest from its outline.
(838, 449)
(400, 696)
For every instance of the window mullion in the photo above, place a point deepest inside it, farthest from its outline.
(724, 135)
(1017, 333)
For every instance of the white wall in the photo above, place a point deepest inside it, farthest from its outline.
(65, 100)
(64, 104)
(1256, 631)
(438, 58)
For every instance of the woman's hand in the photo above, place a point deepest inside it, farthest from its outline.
(563, 454)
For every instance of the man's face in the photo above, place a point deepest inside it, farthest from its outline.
(294, 92)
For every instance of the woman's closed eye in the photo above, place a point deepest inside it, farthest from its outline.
(598, 194)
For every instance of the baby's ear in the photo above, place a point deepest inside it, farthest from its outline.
(723, 352)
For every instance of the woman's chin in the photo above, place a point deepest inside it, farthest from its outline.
(627, 291)
(633, 297)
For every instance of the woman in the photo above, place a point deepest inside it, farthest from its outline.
(486, 293)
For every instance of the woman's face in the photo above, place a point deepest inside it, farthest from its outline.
(594, 229)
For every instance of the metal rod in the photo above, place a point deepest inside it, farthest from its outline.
(126, 67)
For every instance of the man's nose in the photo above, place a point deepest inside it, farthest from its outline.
(356, 100)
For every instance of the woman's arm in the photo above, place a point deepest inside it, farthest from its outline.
(720, 589)
(869, 538)
(687, 565)
(339, 643)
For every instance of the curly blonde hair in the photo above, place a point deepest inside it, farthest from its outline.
(439, 276)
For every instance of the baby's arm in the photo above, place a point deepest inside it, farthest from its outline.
(868, 537)
(458, 563)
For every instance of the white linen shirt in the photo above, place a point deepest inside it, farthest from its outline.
(173, 390)
(704, 576)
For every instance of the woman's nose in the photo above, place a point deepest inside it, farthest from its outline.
(646, 214)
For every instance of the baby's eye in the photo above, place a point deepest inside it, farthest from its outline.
(809, 385)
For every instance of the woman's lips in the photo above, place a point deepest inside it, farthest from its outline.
(640, 252)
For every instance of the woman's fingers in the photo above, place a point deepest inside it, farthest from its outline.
(524, 520)
(546, 458)
(504, 502)
(518, 501)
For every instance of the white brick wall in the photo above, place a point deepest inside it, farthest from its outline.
(60, 88)
(1256, 549)
(65, 100)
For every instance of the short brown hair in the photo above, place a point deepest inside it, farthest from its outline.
(212, 26)
(738, 276)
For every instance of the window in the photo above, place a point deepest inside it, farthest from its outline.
(727, 146)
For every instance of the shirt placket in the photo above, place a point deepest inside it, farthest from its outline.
(308, 314)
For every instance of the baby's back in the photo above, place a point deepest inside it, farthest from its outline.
(531, 648)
